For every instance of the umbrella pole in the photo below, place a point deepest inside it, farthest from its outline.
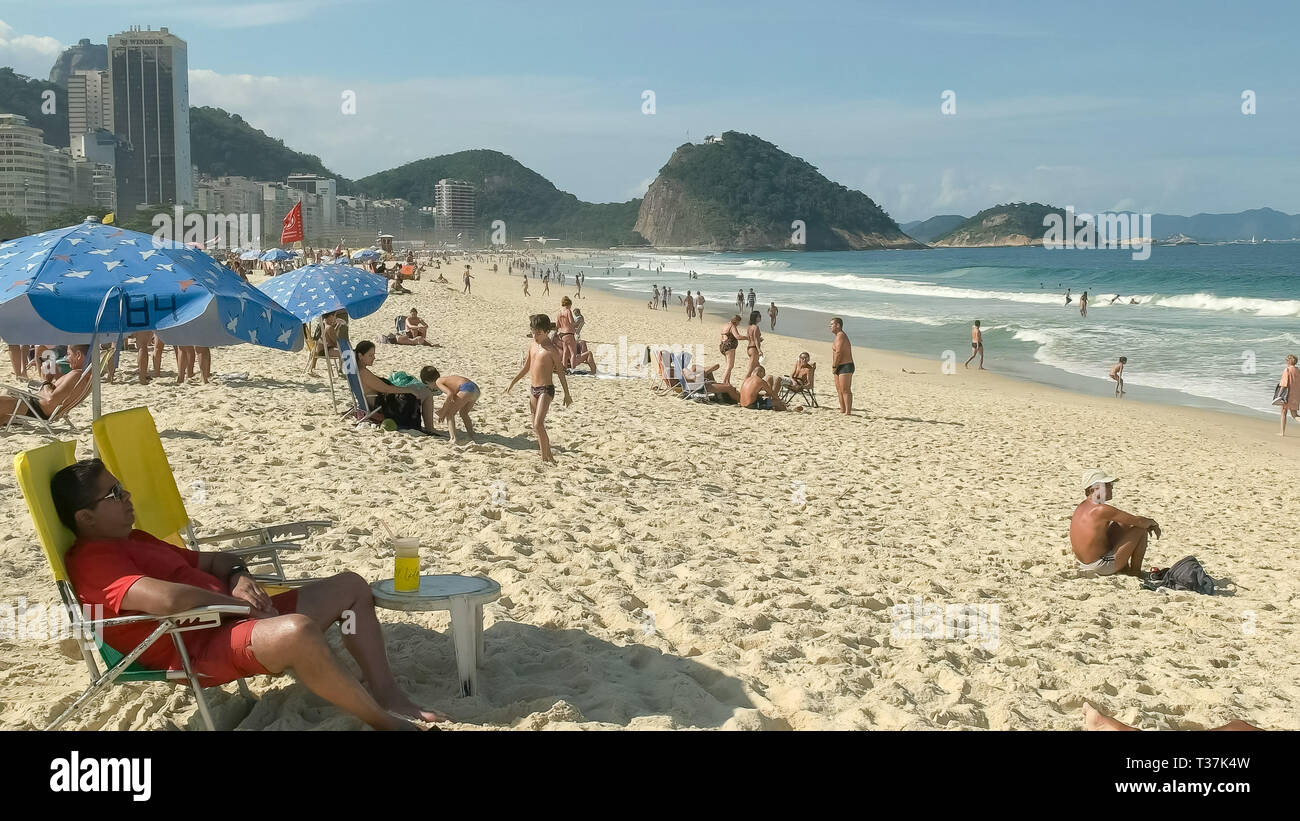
(329, 371)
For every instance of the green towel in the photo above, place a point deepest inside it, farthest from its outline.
(402, 379)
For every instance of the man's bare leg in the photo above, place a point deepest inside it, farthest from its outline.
(18, 359)
(296, 640)
(1130, 546)
(205, 363)
(158, 346)
(325, 602)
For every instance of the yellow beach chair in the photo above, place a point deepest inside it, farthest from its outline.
(34, 469)
(131, 449)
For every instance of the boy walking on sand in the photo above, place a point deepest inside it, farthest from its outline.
(543, 360)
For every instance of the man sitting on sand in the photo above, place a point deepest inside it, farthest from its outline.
(1105, 539)
(129, 572)
(417, 329)
(65, 389)
(757, 393)
(461, 395)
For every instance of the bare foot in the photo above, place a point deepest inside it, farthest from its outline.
(1094, 720)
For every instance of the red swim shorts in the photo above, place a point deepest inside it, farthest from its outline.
(226, 652)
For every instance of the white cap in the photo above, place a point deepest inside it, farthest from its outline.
(1097, 477)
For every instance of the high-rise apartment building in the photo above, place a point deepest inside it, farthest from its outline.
(454, 212)
(90, 102)
(149, 76)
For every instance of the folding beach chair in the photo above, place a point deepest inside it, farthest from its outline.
(400, 323)
(34, 469)
(789, 390)
(131, 449)
(695, 386)
(360, 408)
(35, 417)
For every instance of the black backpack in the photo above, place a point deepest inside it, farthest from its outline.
(1186, 574)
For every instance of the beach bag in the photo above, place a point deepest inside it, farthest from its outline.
(1281, 395)
(1186, 574)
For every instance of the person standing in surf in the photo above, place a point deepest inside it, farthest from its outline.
(1083, 304)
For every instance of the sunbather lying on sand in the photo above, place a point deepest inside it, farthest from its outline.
(1105, 539)
(129, 572)
(758, 393)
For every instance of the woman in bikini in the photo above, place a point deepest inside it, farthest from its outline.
(407, 406)
(755, 337)
(542, 361)
(727, 347)
(568, 339)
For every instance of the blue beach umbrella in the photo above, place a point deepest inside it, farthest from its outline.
(367, 254)
(275, 255)
(313, 290)
(90, 281)
(250, 256)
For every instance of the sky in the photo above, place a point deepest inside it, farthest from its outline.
(1103, 106)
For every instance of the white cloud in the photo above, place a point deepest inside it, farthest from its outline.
(28, 53)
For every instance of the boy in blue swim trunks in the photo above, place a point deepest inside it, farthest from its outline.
(461, 395)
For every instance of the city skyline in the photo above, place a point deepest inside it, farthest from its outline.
(1104, 125)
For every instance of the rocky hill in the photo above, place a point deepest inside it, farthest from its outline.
(742, 193)
(1016, 223)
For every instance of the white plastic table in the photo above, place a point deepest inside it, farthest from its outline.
(464, 597)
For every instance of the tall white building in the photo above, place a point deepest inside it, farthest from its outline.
(149, 76)
(90, 102)
(454, 211)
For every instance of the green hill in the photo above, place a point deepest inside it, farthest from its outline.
(528, 203)
(743, 193)
(1016, 223)
(223, 144)
(22, 95)
(933, 228)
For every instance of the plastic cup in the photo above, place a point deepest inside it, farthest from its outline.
(406, 565)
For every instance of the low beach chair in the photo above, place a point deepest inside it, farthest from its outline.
(400, 323)
(790, 389)
(34, 469)
(695, 386)
(360, 407)
(35, 416)
(129, 444)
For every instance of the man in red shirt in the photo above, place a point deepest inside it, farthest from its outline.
(130, 572)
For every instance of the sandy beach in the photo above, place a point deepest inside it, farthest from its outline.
(702, 566)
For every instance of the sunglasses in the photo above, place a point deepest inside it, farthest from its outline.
(117, 492)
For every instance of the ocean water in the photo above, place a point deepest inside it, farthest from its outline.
(1212, 325)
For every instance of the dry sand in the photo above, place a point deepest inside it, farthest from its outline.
(663, 575)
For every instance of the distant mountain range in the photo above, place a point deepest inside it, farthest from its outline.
(734, 193)
(1257, 223)
(1019, 223)
(933, 228)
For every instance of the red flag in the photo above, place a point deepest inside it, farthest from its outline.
(292, 230)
